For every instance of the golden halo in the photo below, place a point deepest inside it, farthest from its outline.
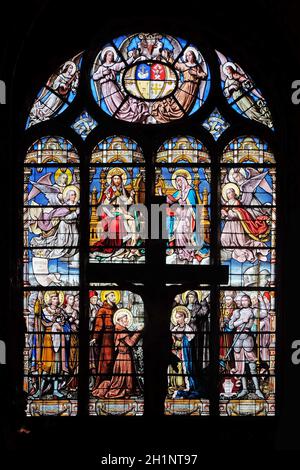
(120, 313)
(50, 293)
(116, 172)
(230, 186)
(183, 309)
(104, 293)
(60, 171)
(181, 172)
(71, 187)
(185, 294)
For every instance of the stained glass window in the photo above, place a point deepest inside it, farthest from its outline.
(91, 264)
(59, 91)
(247, 308)
(188, 371)
(242, 93)
(150, 78)
(51, 354)
(216, 124)
(116, 322)
(182, 175)
(51, 261)
(51, 213)
(117, 189)
(84, 124)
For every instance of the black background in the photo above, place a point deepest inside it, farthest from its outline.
(264, 37)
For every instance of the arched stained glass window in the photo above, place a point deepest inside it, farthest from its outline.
(174, 314)
(117, 187)
(182, 175)
(51, 212)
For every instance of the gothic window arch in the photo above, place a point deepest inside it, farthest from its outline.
(149, 119)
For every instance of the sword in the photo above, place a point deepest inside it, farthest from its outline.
(222, 361)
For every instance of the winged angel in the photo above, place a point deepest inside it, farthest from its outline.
(54, 227)
(246, 230)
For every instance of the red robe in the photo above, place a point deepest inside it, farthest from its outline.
(114, 226)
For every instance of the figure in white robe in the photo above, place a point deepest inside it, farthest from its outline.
(49, 102)
(56, 228)
(238, 86)
(107, 86)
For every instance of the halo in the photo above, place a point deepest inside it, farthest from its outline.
(50, 293)
(71, 187)
(181, 172)
(228, 64)
(59, 172)
(120, 313)
(233, 170)
(185, 294)
(104, 293)
(197, 53)
(70, 62)
(230, 186)
(114, 172)
(180, 308)
(107, 49)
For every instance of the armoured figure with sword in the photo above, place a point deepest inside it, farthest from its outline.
(243, 345)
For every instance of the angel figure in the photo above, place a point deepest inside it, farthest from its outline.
(108, 88)
(237, 85)
(54, 95)
(247, 222)
(55, 227)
